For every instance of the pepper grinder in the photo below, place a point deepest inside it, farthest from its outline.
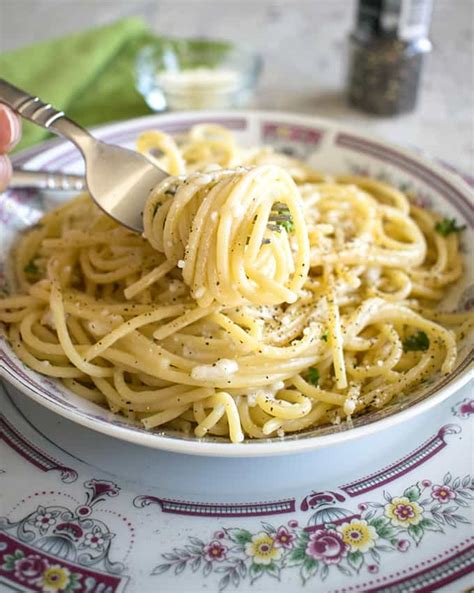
(387, 50)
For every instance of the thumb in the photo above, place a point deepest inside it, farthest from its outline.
(10, 128)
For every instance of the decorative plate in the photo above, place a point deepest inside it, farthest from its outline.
(81, 512)
(329, 147)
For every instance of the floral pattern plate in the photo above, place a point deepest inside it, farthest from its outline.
(83, 512)
(329, 147)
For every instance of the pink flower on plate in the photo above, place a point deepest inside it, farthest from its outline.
(219, 535)
(326, 545)
(464, 408)
(30, 568)
(402, 511)
(215, 551)
(403, 545)
(442, 493)
(372, 568)
(426, 483)
(284, 539)
(293, 523)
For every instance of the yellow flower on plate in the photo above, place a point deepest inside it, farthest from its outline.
(262, 549)
(55, 578)
(358, 535)
(403, 512)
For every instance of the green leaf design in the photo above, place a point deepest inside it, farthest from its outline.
(74, 583)
(270, 529)
(196, 563)
(378, 523)
(10, 559)
(207, 569)
(8, 562)
(387, 532)
(303, 540)
(430, 525)
(309, 568)
(356, 560)
(255, 572)
(296, 557)
(238, 536)
(344, 570)
(324, 572)
(273, 570)
(413, 493)
(416, 532)
(383, 528)
(224, 582)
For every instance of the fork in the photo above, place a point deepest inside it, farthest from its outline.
(119, 180)
(279, 218)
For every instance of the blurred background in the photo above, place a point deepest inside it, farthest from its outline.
(304, 46)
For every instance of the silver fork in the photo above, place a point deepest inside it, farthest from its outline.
(279, 218)
(119, 180)
(50, 180)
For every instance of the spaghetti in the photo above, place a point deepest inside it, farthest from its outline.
(263, 299)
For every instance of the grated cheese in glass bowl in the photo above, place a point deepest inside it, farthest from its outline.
(196, 74)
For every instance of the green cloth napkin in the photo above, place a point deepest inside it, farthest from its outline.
(89, 75)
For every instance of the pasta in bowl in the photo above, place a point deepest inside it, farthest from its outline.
(267, 302)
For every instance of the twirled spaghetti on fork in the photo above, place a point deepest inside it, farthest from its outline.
(264, 298)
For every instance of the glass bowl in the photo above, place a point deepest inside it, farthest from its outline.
(196, 74)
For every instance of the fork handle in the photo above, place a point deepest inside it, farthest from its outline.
(42, 114)
(51, 180)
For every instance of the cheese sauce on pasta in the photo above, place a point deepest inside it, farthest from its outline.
(264, 298)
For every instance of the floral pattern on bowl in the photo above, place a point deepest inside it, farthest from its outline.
(334, 538)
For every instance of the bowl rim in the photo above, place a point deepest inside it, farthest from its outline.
(292, 444)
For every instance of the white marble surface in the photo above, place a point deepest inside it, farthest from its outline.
(304, 45)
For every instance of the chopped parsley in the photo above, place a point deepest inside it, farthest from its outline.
(313, 376)
(447, 226)
(31, 269)
(288, 223)
(416, 342)
(325, 336)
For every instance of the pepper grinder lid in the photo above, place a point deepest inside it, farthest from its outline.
(403, 19)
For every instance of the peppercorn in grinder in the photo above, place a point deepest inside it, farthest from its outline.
(388, 47)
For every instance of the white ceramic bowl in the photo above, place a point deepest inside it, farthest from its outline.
(330, 148)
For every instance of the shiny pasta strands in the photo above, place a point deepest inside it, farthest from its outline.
(263, 299)
(229, 232)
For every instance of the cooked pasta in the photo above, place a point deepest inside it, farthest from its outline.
(263, 298)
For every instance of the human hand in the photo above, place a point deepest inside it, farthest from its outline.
(10, 134)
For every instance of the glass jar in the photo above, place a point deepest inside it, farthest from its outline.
(387, 53)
